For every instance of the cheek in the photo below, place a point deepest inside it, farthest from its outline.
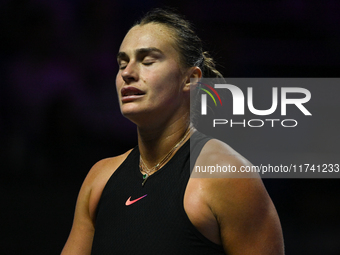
(168, 80)
(119, 83)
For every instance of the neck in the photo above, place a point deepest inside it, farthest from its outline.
(156, 143)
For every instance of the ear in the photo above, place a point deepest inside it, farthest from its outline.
(194, 75)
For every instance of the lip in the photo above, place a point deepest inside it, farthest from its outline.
(131, 93)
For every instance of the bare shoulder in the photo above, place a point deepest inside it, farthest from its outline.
(226, 185)
(82, 231)
(98, 177)
(244, 211)
(215, 154)
(104, 167)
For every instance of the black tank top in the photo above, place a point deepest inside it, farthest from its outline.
(150, 219)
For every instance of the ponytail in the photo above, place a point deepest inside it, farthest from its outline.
(208, 67)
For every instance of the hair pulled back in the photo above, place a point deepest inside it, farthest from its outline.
(188, 43)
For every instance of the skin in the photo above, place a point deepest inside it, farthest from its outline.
(236, 213)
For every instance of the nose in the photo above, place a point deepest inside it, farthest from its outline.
(130, 73)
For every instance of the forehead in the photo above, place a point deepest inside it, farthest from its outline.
(149, 36)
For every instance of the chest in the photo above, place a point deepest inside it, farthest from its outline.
(169, 208)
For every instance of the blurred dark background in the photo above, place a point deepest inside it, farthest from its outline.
(59, 112)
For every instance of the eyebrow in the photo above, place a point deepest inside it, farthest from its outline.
(122, 54)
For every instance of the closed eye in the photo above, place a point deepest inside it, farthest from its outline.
(122, 64)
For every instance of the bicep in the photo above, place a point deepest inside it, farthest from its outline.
(248, 221)
(246, 216)
(81, 235)
(82, 232)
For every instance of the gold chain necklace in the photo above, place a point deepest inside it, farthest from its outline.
(149, 171)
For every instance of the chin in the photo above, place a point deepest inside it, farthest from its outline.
(130, 112)
(138, 116)
(129, 108)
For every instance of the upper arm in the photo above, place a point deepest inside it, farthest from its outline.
(81, 235)
(82, 231)
(83, 227)
(246, 216)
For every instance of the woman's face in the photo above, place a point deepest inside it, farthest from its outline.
(151, 82)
